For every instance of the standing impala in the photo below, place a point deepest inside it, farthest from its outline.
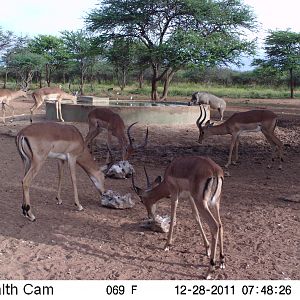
(253, 120)
(104, 118)
(38, 141)
(50, 93)
(6, 96)
(200, 179)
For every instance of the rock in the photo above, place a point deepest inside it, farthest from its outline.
(115, 200)
(160, 224)
(121, 170)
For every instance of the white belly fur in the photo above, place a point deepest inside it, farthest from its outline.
(62, 156)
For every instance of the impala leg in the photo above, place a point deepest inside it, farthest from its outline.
(109, 139)
(93, 132)
(59, 110)
(10, 107)
(60, 175)
(72, 167)
(277, 144)
(232, 144)
(26, 182)
(198, 220)
(217, 216)
(37, 104)
(236, 151)
(214, 229)
(174, 204)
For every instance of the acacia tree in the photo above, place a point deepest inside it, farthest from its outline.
(52, 49)
(81, 49)
(176, 33)
(25, 63)
(121, 55)
(282, 53)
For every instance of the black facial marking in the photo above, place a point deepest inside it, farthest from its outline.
(212, 262)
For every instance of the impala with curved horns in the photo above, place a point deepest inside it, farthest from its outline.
(6, 96)
(104, 118)
(37, 142)
(50, 93)
(200, 179)
(249, 121)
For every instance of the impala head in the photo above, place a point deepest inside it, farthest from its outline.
(130, 148)
(145, 195)
(202, 128)
(22, 94)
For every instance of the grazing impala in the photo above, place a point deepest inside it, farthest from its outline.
(104, 118)
(253, 120)
(6, 96)
(38, 141)
(200, 179)
(50, 93)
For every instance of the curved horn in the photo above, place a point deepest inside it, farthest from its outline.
(128, 133)
(199, 121)
(147, 177)
(136, 189)
(131, 140)
(146, 140)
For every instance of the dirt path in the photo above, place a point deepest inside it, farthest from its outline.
(261, 236)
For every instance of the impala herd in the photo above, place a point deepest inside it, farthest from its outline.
(197, 178)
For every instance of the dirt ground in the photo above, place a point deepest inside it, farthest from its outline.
(261, 230)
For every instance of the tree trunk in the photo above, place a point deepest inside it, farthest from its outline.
(48, 75)
(40, 79)
(292, 83)
(81, 78)
(154, 92)
(169, 77)
(141, 79)
(5, 79)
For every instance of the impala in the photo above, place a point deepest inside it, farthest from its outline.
(104, 118)
(39, 141)
(253, 120)
(50, 93)
(200, 179)
(6, 96)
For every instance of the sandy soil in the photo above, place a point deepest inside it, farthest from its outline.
(261, 237)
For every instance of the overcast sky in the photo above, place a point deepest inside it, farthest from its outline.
(33, 17)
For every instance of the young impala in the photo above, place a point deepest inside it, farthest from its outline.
(200, 179)
(50, 93)
(253, 120)
(104, 118)
(38, 141)
(6, 96)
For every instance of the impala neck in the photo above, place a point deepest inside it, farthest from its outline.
(87, 163)
(220, 129)
(152, 196)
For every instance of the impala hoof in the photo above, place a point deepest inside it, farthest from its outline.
(59, 201)
(167, 248)
(79, 207)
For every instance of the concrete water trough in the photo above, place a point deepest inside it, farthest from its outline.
(144, 112)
